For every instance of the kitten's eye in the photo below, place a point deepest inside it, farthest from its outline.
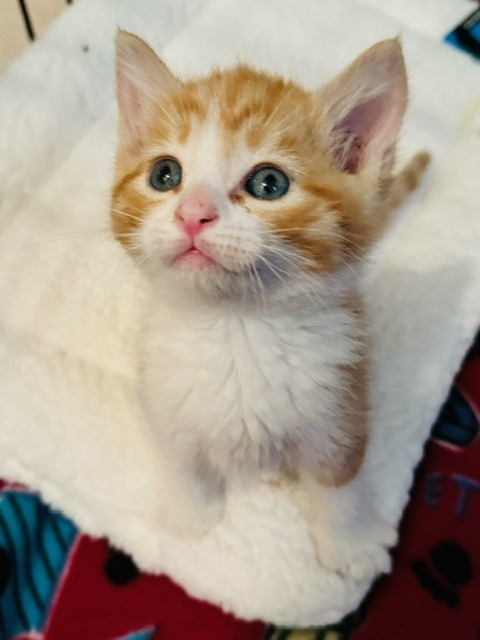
(267, 183)
(166, 174)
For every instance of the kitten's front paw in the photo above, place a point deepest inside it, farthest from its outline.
(359, 557)
(190, 523)
(359, 562)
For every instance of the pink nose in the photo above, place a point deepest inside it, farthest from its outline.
(195, 212)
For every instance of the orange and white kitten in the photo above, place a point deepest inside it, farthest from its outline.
(248, 203)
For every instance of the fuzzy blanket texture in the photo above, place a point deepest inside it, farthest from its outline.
(70, 302)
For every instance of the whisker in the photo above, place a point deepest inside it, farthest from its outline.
(261, 288)
(295, 259)
(275, 270)
(126, 214)
(331, 234)
(347, 264)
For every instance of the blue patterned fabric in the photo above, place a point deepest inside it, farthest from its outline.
(34, 546)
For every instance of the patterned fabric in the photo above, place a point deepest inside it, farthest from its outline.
(57, 584)
(34, 546)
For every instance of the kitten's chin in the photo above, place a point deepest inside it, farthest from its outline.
(195, 275)
(192, 275)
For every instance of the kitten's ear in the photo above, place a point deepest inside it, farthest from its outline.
(364, 108)
(141, 77)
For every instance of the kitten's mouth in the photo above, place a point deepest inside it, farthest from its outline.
(195, 258)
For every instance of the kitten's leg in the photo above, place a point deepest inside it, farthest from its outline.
(191, 500)
(336, 497)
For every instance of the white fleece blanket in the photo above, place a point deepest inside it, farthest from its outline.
(69, 304)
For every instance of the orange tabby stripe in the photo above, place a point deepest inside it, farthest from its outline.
(129, 207)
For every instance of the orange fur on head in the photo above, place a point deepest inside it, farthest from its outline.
(336, 146)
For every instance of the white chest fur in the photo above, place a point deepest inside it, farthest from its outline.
(245, 389)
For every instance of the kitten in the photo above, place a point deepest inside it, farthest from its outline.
(249, 204)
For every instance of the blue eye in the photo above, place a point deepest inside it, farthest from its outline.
(267, 183)
(166, 174)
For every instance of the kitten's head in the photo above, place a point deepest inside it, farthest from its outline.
(242, 184)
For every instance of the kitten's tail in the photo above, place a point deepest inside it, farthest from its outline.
(396, 188)
(407, 180)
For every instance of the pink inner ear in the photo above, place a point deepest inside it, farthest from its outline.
(130, 100)
(356, 131)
